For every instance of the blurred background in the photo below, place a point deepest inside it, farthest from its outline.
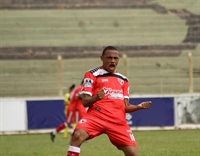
(47, 45)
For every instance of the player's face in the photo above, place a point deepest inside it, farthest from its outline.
(110, 60)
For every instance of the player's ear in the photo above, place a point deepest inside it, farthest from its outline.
(101, 57)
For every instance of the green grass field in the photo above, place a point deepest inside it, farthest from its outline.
(150, 143)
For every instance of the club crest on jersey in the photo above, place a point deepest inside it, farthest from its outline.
(120, 81)
(87, 82)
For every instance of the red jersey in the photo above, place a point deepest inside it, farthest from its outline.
(79, 104)
(76, 102)
(74, 99)
(116, 88)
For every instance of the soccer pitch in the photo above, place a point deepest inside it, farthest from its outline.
(150, 143)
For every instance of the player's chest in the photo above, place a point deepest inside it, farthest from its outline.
(109, 82)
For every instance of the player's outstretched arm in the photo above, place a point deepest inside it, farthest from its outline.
(132, 108)
(88, 100)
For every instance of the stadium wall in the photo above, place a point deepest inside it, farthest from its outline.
(41, 115)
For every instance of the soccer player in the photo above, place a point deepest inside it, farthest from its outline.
(106, 93)
(75, 111)
(66, 103)
(67, 97)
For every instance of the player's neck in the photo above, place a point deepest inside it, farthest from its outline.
(108, 71)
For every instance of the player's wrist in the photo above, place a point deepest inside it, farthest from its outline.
(140, 106)
(96, 98)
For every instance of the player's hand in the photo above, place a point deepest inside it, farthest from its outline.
(145, 105)
(100, 94)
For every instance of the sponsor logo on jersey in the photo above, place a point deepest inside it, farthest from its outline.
(87, 82)
(113, 93)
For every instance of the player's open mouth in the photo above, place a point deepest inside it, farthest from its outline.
(111, 66)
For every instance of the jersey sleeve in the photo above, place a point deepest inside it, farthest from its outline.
(88, 84)
(126, 89)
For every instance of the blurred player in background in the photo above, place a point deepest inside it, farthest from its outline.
(106, 93)
(67, 97)
(66, 103)
(75, 111)
(80, 109)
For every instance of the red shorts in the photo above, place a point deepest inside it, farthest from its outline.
(81, 112)
(119, 134)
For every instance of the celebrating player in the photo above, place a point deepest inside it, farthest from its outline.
(106, 93)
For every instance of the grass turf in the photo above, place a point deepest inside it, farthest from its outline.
(150, 143)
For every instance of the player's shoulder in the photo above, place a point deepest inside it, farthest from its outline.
(93, 70)
(78, 88)
(121, 76)
(97, 71)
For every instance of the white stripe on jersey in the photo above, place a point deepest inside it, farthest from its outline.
(98, 71)
(121, 75)
(85, 92)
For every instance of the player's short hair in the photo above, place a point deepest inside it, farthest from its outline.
(108, 48)
(72, 87)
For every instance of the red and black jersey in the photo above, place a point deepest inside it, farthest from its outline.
(116, 88)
